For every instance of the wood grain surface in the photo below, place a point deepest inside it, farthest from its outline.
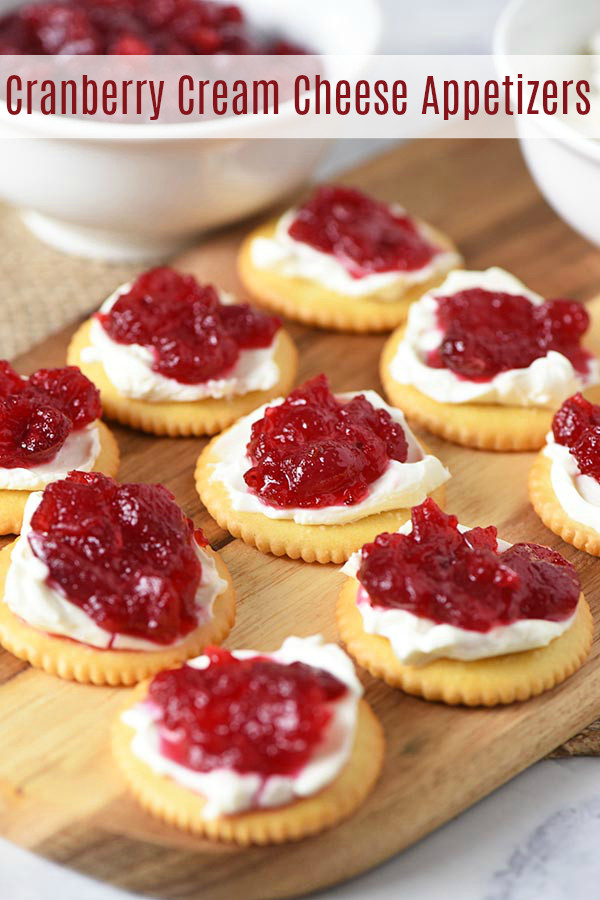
(60, 794)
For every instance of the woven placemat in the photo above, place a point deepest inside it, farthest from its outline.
(43, 290)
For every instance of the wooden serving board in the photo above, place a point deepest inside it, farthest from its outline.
(60, 794)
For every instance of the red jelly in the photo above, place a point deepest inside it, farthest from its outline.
(69, 391)
(487, 332)
(124, 553)
(363, 235)
(37, 414)
(133, 27)
(576, 425)
(437, 573)
(31, 434)
(314, 450)
(192, 335)
(253, 715)
(10, 381)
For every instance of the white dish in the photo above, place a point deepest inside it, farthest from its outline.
(134, 200)
(564, 163)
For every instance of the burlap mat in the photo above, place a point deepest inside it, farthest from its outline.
(43, 290)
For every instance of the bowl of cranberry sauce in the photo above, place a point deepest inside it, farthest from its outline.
(144, 199)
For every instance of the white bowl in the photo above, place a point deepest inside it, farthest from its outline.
(564, 163)
(132, 200)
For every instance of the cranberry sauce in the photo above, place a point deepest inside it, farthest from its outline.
(133, 27)
(37, 414)
(487, 332)
(123, 553)
(437, 573)
(253, 715)
(365, 236)
(314, 450)
(576, 425)
(192, 335)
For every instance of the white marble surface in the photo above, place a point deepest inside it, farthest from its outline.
(535, 838)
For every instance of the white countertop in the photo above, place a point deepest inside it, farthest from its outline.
(535, 838)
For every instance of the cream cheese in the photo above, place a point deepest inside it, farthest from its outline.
(547, 382)
(129, 367)
(416, 640)
(402, 485)
(295, 259)
(33, 600)
(80, 451)
(578, 494)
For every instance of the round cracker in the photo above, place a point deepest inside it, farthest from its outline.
(483, 426)
(482, 682)
(547, 506)
(74, 661)
(283, 537)
(181, 808)
(182, 419)
(309, 302)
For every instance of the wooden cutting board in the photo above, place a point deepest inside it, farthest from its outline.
(60, 794)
